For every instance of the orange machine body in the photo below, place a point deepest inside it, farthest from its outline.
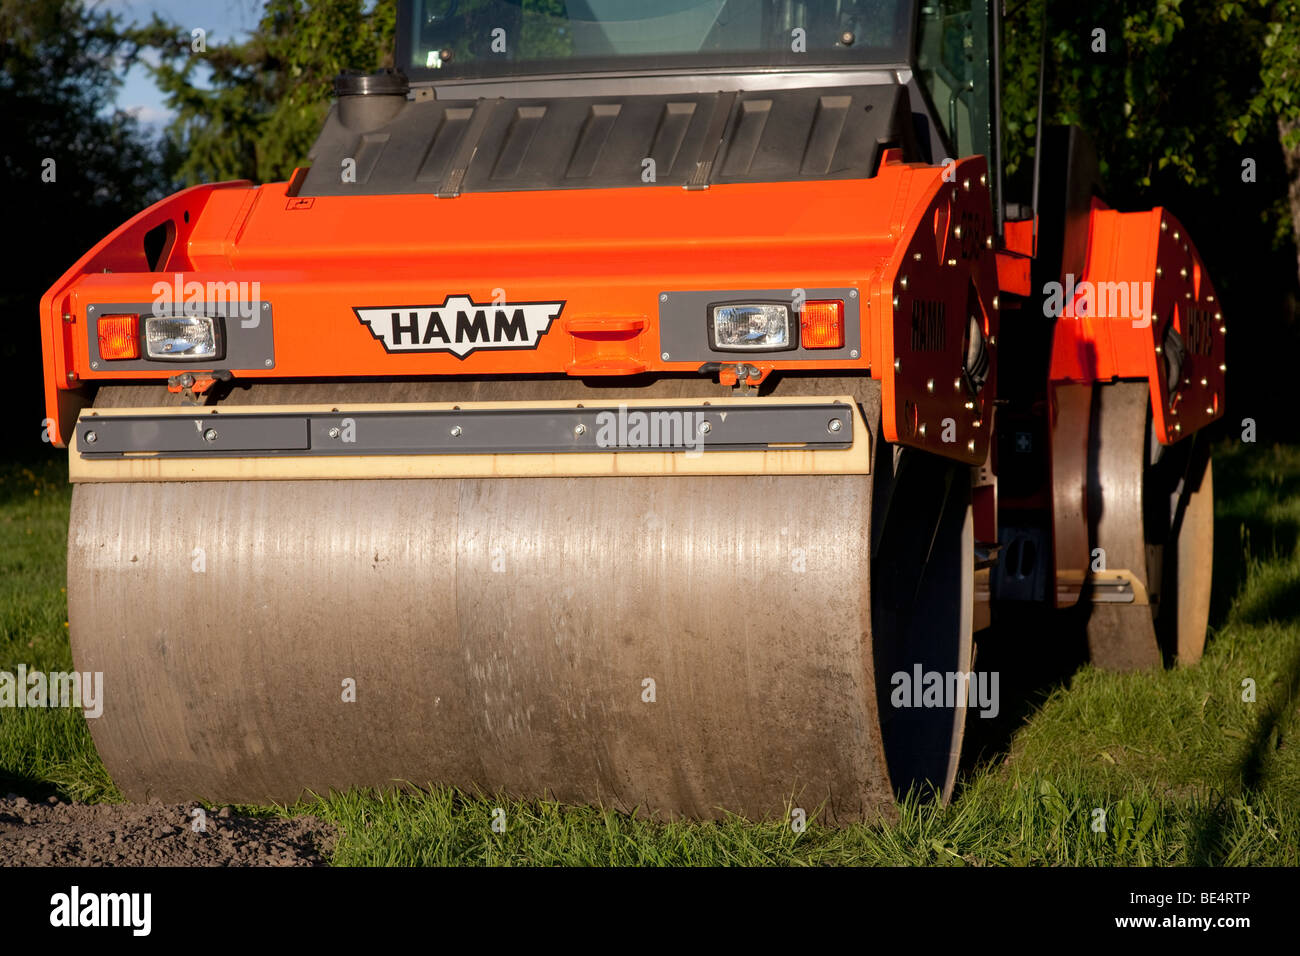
(913, 243)
(1145, 293)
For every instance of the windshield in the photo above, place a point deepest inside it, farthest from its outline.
(452, 38)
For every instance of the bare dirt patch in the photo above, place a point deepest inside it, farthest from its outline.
(52, 833)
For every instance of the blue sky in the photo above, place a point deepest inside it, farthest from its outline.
(222, 19)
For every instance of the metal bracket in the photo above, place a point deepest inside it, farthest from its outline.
(196, 388)
(745, 378)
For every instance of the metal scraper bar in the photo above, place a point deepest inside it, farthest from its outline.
(470, 431)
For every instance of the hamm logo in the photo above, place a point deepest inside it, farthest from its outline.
(460, 325)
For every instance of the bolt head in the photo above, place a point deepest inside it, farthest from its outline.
(853, 353)
(970, 446)
(996, 300)
(929, 385)
(457, 431)
(663, 297)
(94, 365)
(921, 430)
(579, 430)
(268, 363)
(91, 438)
(902, 283)
(898, 365)
(334, 431)
(210, 435)
(834, 425)
(664, 356)
(705, 428)
(965, 184)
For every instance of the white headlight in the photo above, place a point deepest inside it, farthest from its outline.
(183, 337)
(746, 327)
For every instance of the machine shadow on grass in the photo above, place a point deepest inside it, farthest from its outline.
(1038, 650)
(1243, 535)
(1212, 827)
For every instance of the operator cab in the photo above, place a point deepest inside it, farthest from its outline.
(599, 93)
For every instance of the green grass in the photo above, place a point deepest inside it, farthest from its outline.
(1185, 770)
(45, 750)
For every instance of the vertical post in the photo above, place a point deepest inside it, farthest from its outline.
(995, 119)
(1038, 124)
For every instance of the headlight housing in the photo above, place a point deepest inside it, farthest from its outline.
(184, 338)
(751, 327)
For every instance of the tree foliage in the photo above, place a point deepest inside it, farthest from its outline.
(72, 167)
(252, 109)
(1177, 96)
(58, 78)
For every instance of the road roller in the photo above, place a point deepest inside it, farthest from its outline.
(641, 404)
